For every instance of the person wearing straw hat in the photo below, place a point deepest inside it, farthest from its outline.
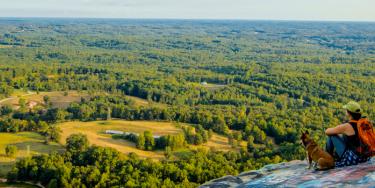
(343, 139)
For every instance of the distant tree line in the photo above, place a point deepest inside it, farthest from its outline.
(147, 141)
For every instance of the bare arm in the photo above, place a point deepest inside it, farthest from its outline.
(339, 129)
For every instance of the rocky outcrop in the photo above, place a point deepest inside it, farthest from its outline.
(295, 174)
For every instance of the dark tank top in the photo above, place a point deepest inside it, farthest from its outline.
(353, 141)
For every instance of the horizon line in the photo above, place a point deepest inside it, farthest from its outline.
(189, 19)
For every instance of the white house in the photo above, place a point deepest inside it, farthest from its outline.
(113, 132)
(32, 104)
(128, 133)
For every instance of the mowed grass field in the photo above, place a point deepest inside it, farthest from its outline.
(95, 132)
(139, 101)
(220, 143)
(23, 141)
(145, 103)
(57, 98)
(6, 46)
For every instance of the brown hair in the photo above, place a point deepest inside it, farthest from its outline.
(355, 116)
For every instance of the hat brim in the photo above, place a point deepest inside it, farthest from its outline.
(346, 108)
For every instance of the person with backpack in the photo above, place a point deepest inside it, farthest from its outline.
(352, 142)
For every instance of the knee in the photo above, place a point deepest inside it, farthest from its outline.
(332, 137)
(329, 139)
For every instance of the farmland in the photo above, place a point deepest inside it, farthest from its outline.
(58, 99)
(95, 132)
(62, 99)
(249, 88)
(23, 141)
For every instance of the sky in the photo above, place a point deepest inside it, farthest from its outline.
(334, 10)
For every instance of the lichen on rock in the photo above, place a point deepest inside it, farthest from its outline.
(295, 174)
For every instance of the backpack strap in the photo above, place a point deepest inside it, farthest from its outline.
(354, 143)
(354, 123)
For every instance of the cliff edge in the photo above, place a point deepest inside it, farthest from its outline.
(295, 174)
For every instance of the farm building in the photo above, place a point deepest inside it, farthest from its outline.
(125, 133)
(32, 104)
(120, 132)
(113, 132)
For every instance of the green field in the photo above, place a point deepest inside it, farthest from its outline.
(95, 133)
(142, 102)
(6, 46)
(212, 86)
(57, 98)
(23, 140)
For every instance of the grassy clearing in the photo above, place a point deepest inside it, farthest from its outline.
(57, 98)
(144, 103)
(219, 143)
(139, 101)
(20, 92)
(95, 133)
(23, 140)
(6, 46)
(157, 128)
(209, 86)
(213, 86)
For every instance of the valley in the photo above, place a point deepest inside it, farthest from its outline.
(187, 101)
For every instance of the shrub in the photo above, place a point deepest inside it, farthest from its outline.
(11, 150)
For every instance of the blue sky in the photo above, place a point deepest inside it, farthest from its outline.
(363, 10)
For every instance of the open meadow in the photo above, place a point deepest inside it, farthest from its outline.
(232, 95)
(58, 99)
(28, 144)
(61, 99)
(95, 132)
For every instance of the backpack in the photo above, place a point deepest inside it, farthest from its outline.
(366, 135)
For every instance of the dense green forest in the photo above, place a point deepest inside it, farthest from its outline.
(253, 81)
